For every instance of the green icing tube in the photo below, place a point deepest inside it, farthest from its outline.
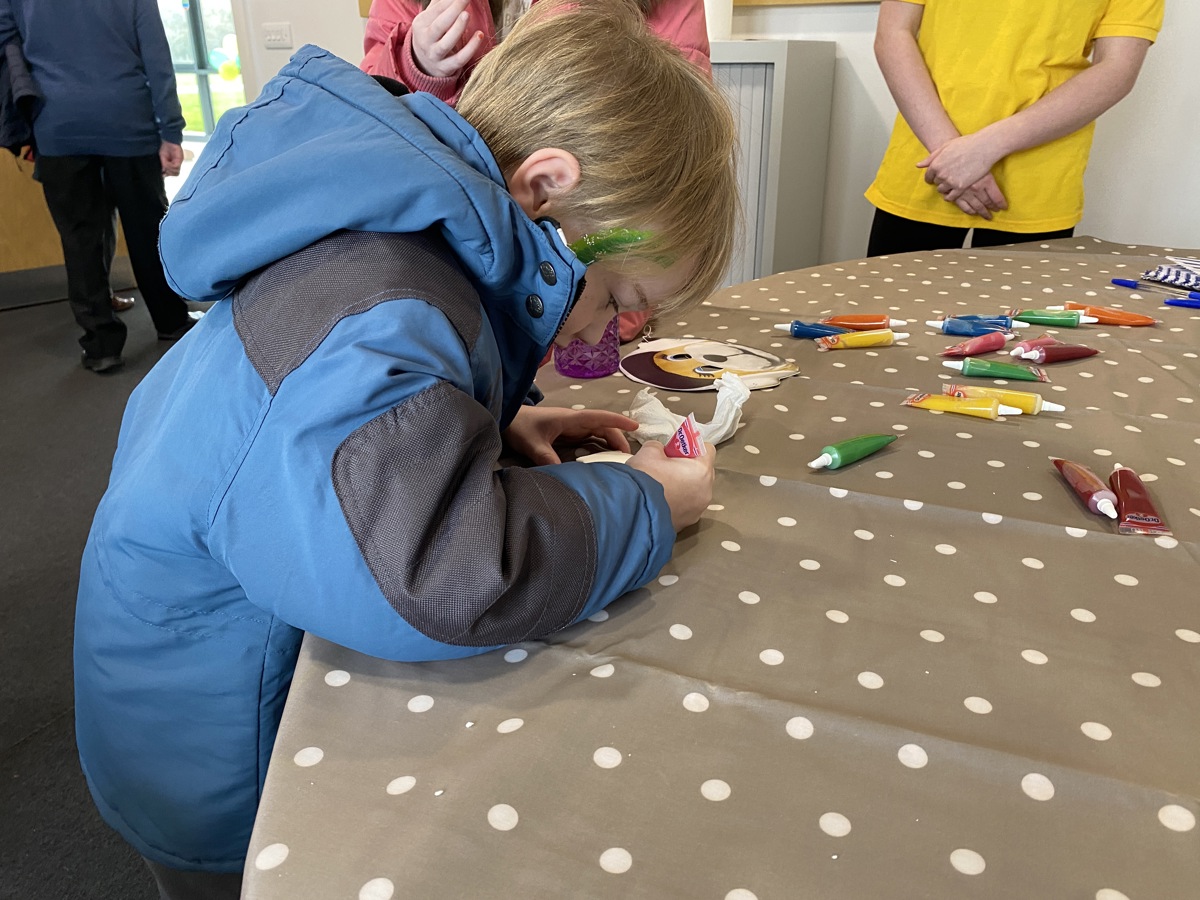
(1066, 318)
(845, 452)
(986, 368)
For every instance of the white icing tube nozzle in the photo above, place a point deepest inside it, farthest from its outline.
(1047, 406)
(783, 326)
(1008, 411)
(1106, 506)
(900, 335)
(955, 364)
(897, 323)
(1088, 320)
(821, 461)
(934, 323)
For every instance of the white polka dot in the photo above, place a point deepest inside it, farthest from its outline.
(681, 632)
(337, 678)
(1166, 541)
(749, 597)
(731, 546)
(967, 861)
(934, 637)
(864, 535)
(771, 657)
(1127, 580)
(508, 726)
(839, 493)
(870, 680)
(716, 507)
(834, 824)
(795, 437)
(767, 480)
(810, 564)
(1033, 562)
(1037, 657)
(1110, 894)
(1083, 615)
(786, 521)
(882, 474)
(993, 518)
(601, 616)
(309, 756)
(978, 705)
(270, 856)
(955, 485)
(836, 615)
(503, 817)
(616, 860)
(894, 580)
(420, 703)
(1146, 679)
(667, 580)
(603, 671)
(607, 757)
(401, 785)
(741, 894)
(377, 889)
(750, 448)
(1186, 634)
(1076, 532)
(1032, 495)
(1177, 818)
(913, 756)
(946, 549)
(515, 655)
(914, 505)
(715, 789)
(926, 454)
(694, 702)
(799, 727)
(1037, 787)
(1096, 731)
(965, 435)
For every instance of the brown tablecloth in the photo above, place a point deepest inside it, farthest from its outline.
(929, 674)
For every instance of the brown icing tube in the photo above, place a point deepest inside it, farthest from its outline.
(1138, 514)
(1058, 353)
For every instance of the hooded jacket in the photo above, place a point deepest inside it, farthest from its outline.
(320, 452)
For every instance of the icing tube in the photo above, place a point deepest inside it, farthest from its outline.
(986, 368)
(1107, 315)
(1005, 322)
(798, 329)
(1088, 487)
(1138, 513)
(963, 327)
(1025, 346)
(1058, 353)
(1027, 402)
(985, 343)
(981, 407)
(686, 441)
(834, 456)
(1056, 318)
(864, 322)
(851, 339)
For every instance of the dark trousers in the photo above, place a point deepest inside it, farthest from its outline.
(175, 884)
(84, 193)
(894, 234)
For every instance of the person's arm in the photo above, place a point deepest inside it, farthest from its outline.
(160, 72)
(682, 23)
(8, 25)
(1072, 105)
(422, 48)
(916, 96)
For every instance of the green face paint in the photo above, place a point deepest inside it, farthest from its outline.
(605, 243)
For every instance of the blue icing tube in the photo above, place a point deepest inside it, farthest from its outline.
(799, 329)
(963, 327)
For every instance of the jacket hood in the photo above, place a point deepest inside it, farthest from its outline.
(326, 148)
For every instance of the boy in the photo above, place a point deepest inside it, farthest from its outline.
(320, 454)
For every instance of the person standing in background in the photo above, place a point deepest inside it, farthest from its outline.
(108, 132)
(998, 103)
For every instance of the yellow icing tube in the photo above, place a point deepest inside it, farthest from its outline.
(884, 337)
(983, 407)
(1026, 401)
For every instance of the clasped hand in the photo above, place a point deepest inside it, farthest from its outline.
(961, 169)
(437, 38)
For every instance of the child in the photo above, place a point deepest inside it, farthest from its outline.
(320, 453)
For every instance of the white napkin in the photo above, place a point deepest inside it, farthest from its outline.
(657, 423)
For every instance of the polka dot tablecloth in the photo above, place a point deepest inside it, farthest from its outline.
(929, 674)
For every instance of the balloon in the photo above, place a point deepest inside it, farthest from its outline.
(217, 57)
(229, 70)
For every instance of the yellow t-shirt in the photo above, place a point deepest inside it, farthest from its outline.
(988, 61)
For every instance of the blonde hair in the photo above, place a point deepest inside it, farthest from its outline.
(654, 137)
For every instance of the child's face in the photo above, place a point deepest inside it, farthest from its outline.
(609, 291)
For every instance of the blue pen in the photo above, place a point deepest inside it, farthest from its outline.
(814, 330)
(1194, 303)
(963, 327)
(1155, 286)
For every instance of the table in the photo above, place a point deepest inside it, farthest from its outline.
(929, 674)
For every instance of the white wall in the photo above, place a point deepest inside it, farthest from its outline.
(1143, 183)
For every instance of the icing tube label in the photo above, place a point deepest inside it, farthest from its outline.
(686, 441)
(1138, 515)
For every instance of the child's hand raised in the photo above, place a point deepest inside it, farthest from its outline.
(437, 38)
(687, 483)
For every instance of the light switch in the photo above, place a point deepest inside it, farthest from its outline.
(277, 35)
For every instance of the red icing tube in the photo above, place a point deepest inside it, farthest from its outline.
(1088, 487)
(1025, 346)
(1138, 513)
(1051, 353)
(686, 441)
(985, 343)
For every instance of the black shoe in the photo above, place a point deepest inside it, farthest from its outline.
(100, 364)
(192, 319)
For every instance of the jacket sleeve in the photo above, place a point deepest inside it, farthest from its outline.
(8, 25)
(682, 23)
(378, 518)
(387, 50)
(160, 72)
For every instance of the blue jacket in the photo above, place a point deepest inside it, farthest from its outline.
(319, 453)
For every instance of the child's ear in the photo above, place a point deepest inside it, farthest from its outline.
(544, 176)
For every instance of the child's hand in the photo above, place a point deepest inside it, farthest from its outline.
(437, 38)
(687, 483)
(535, 429)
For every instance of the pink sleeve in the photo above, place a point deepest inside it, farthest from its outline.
(682, 23)
(387, 49)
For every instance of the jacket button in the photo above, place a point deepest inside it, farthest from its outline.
(534, 306)
(548, 274)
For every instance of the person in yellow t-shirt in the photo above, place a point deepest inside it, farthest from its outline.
(998, 103)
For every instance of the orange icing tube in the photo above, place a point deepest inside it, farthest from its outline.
(851, 339)
(1026, 401)
(1106, 315)
(864, 322)
(981, 407)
